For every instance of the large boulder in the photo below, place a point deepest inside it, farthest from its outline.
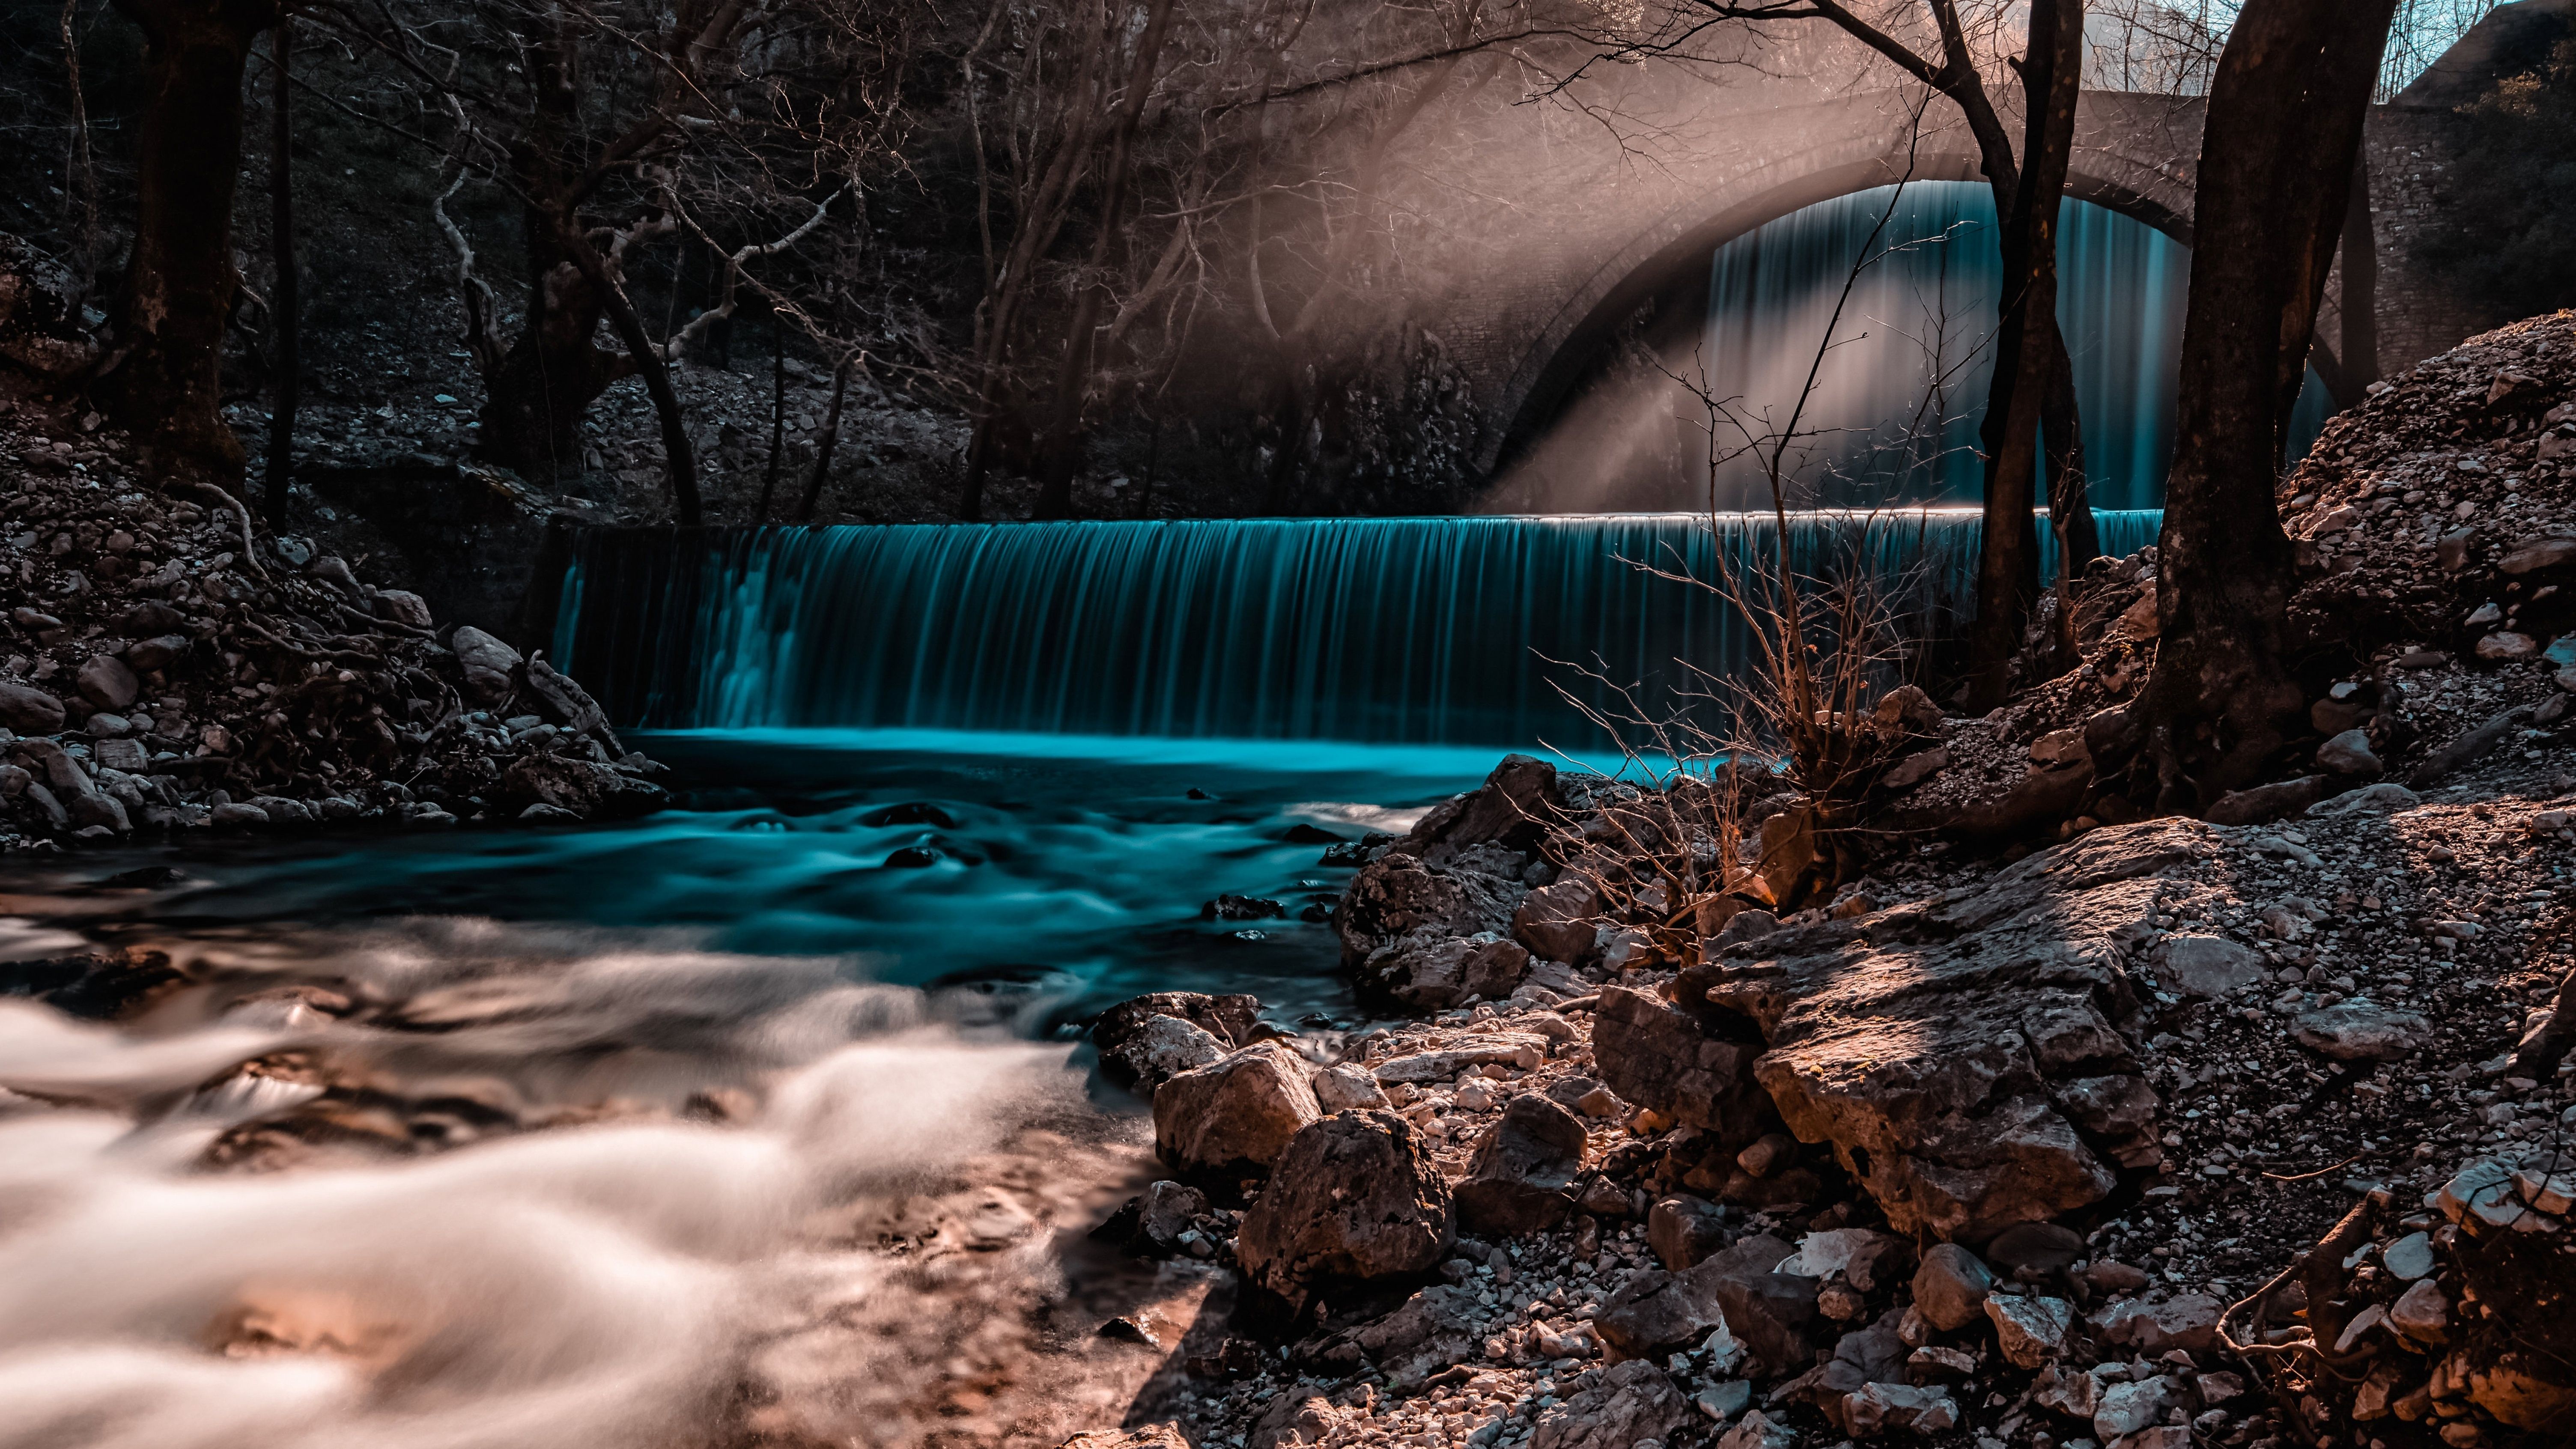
(1148, 1039)
(1524, 1169)
(1942, 1047)
(107, 682)
(1236, 1115)
(486, 662)
(1159, 1049)
(1353, 1198)
(27, 710)
(1514, 808)
(1659, 1056)
(1460, 872)
(1561, 919)
(1398, 897)
(1441, 972)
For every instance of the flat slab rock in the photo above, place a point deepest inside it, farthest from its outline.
(1950, 1050)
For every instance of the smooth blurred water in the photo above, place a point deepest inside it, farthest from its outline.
(1069, 872)
(1505, 631)
(1900, 397)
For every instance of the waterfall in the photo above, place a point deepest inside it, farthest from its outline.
(1401, 630)
(1923, 312)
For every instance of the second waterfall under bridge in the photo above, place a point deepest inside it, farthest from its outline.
(1496, 631)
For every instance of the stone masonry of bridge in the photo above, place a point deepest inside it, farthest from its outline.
(1582, 213)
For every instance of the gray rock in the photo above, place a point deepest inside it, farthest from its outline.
(1162, 1048)
(1432, 1330)
(1435, 973)
(2409, 1258)
(1875, 1409)
(2536, 554)
(2349, 754)
(45, 811)
(2038, 1247)
(2031, 1331)
(2203, 965)
(237, 816)
(28, 710)
(1233, 1020)
(1757, 1431)
(1345, 1086)
(2126, 1408)
(486, 662)
(1928, 1044)
(1654, 1311)
(2421, 1312)
(1524, 1171)
(1916, 768)
(1502, 1048)
(1165, 1210)
(1684, 1231)
(402, 607)
(1560, 920)
(126, 755)
(1951, 1287)
(2187, 1321)
(1235, 1115)
(2360, 1030)
(2470, 747)
(1633, 1403)
(1750, 924)
(1354, 1197)
(1661, 1057)
(105, 681)
(80, 799)
(2259, 803)
(158, 652)
(2385, 798)
(2506, 645)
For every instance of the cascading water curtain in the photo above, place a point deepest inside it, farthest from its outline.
(1925, 309)
(1408, 630)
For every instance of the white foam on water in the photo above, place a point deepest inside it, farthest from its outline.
(589, 1285)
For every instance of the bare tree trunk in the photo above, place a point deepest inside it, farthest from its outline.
(2061, 423)
(1058, 449)
(2012, 551)
(2276, 166)
(777, 414)
(679, 464)
(831, 437)
(284, 310)
(166, 380)
(80, 168)
(2026, 349)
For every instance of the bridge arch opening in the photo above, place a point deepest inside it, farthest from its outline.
(1716, 332)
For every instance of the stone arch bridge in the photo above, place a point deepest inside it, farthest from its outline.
(1581, 228)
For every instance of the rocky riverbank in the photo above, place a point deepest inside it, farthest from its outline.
(1987, 1103)
(2173, 1133)
(172, 667)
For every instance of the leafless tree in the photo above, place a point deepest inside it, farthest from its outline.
(2285, 116)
